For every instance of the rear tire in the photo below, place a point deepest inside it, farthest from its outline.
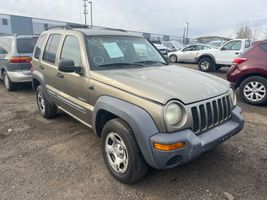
(47, 109)
(9, 85)
(206, 65)
(253, 90)
(121, 152)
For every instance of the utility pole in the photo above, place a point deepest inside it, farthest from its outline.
(85, 11)
(187, 27)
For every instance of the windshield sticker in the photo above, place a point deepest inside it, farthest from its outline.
(113, 50)
(139, 47)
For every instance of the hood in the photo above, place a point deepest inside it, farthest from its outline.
(163, 83)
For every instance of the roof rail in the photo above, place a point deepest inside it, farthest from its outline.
(115, 29)
(59, 27)
(68, 26)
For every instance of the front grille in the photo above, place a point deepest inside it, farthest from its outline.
(210, 114)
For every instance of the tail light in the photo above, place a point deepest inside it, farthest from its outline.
(20, 59)
(238, 61)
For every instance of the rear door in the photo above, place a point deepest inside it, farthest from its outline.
(48, 66)
(228, 52)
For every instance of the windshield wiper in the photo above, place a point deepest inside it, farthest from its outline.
(121, 65)
(151, 62)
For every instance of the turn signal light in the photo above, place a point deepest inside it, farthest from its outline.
(169, 147)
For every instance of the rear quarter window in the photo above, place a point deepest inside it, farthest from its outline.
(5, 45)
(39, 45)
(26, 45)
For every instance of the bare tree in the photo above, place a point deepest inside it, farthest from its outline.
(244, 31)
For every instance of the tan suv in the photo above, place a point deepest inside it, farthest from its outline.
(147, 112)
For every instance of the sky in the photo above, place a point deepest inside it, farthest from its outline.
(205, 17)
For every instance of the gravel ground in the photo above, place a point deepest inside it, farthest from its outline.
(61, 159)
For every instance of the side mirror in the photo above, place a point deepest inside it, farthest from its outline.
(67, 65)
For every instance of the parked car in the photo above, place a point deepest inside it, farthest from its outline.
(213, 59)
(15, 59)
(162, 49)
(147, 112)
(249, 73)
(172, 45)
(188, 54)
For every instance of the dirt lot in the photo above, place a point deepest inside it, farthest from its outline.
(60, 159)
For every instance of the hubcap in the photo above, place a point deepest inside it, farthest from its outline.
(116, 152)
(205, 65)
(41, 102)
(6, 81)
(173, 59)
(254, 91)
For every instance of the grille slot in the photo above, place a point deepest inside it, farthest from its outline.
(210, 114)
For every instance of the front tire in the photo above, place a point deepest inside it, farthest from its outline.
(121, 152)
(253, 90)
(9, 85)
(206, 65)
(46, 109)
(173, 58)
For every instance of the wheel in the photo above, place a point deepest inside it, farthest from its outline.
(253, 90)
(173, 58)
(10, 86)
(47, 109)
(206, 65)
(121, 152)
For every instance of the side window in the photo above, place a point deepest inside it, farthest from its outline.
(263, 47)
(51, 48)
(5, 45)
(39, 44)
(234, 46)
(247, 44)
(71, 50)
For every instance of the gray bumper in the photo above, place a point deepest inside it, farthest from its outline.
(195, 145)
(20, 76)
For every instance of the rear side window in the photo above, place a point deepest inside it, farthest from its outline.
(263, 47)
(39, 44)
(5, 45)
(51, 48)
(71, 50)
(26, 45)
(234, 45)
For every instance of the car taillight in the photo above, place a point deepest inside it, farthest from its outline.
(20, 59)
(238, 61)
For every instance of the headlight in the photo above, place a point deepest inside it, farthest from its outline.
(233, 96)
(173, 114)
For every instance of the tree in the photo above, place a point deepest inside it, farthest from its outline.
(244, 31)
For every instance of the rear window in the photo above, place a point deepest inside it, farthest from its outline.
(26, 45)
(263, 47)
(5, 45)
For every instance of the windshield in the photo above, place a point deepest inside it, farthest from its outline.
(121, 51)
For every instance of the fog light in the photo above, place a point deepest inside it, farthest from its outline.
(169, 147)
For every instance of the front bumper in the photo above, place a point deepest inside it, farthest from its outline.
(195, 145)
(20, 76)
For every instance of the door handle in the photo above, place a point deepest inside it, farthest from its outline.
(237, 53)
(60, 75)
(41, 67)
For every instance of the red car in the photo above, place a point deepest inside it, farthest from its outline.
(249, 73)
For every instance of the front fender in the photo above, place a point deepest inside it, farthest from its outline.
(138, 119)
